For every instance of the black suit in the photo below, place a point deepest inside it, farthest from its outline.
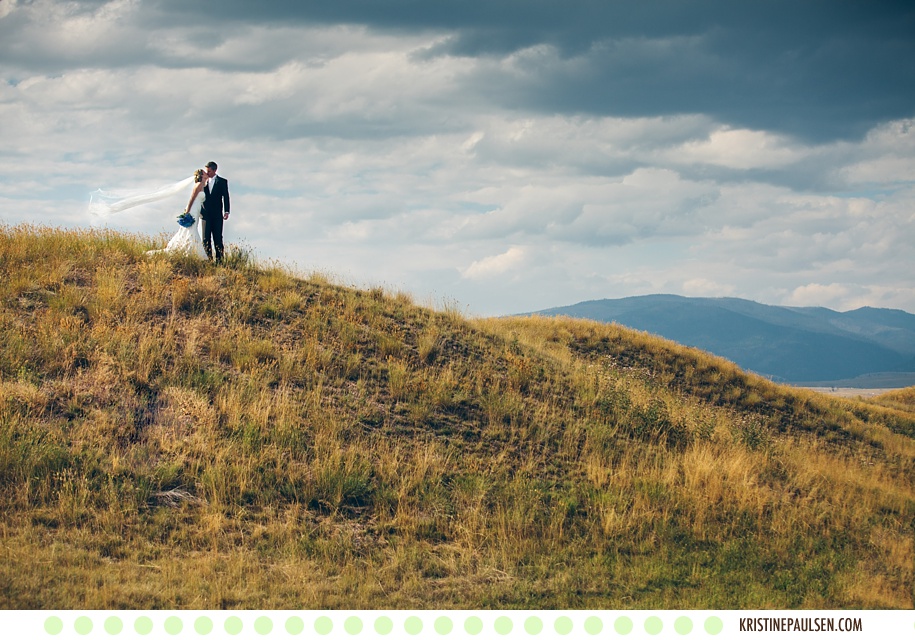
(216, 201)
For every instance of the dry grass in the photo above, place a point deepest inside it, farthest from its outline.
(902, 399)
(180, 436)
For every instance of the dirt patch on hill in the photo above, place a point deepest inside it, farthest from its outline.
(850, 392)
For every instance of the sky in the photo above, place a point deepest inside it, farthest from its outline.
(493, 156)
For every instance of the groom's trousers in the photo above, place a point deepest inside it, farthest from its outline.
(212, 233)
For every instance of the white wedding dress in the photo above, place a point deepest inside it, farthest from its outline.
(103, 204)
(187, 240)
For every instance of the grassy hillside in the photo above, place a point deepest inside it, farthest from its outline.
(901, 399)
(180, 436)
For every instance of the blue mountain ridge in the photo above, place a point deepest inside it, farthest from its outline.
(789, 344)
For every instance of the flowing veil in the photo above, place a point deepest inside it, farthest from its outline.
(105, 203)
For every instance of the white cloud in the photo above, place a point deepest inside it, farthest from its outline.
(497, 265)
(7, 7)
(704, 288)
(818, 295)
(737, 149)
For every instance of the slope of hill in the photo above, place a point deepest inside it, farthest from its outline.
(902, 399)
(786, 343)
(173, 435)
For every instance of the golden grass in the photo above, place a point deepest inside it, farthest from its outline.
(177, 435)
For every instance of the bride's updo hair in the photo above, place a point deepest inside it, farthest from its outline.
(198, 175)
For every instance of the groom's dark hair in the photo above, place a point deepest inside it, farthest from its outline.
(211, 165)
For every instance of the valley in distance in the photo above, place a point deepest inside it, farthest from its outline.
(862, 352)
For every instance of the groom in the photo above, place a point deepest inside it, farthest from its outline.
(217, 191)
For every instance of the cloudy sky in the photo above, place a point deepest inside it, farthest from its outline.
(499, 156)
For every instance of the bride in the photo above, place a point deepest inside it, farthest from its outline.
(187, 239)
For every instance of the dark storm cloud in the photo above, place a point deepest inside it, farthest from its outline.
(499, 26)
(837, 91)
(818, 70)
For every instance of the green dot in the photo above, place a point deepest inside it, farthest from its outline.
(473, 625)
(503, 625)
(623, 625)
(443, 626)
(323, 625)
(654, 625)
(203, 625)
(593, 625)
(263, 625)
(295, 626)
(384, 625)
(83, 626)
(533, 625)
(143, 625)
(353, 625)
(114, 626)
(413, 625)
(53, 625)
(173, 625)
(233, 625)
(714, 626)
(683, 625)
(563, 625)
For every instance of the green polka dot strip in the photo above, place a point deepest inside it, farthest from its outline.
(425, 625)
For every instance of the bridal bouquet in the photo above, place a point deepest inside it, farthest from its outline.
(185, 220)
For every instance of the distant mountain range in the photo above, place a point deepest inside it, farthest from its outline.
(788, 344)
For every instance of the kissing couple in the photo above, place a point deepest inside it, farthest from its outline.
(208, 205)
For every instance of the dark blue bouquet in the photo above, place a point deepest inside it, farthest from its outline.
(186, 220)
